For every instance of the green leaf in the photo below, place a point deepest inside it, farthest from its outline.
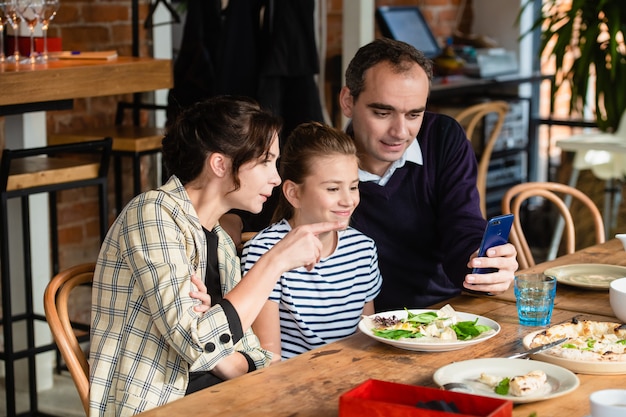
(396, 334)
(468, 329)
(423, 318)
(503, 387)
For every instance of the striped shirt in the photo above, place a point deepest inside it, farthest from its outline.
(325, 304)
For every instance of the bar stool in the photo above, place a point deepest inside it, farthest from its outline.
(128, 141)
(23, 173)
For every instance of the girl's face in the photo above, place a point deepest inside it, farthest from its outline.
(330, 193)
(257, 178)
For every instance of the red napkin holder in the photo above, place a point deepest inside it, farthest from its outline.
(23, 44)
(375, 398)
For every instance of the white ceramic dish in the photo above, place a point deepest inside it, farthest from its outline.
(578, 366)
(366, 324)
(617, 298)
(560, 380)
(591, 276)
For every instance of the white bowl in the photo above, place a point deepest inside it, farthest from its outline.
(622, 237)
(617, 298)
(608, 403)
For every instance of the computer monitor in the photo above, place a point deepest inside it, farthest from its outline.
(406, 23)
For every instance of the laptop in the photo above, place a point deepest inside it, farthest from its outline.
(406, 23)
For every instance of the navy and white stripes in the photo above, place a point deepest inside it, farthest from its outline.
(324, 304)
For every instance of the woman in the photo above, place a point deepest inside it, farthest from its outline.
(309, 308)
(149, 345)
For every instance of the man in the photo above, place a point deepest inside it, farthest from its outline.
(419, 200)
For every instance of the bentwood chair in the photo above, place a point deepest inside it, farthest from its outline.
(57, 298)
(470, 119)
(554, 192)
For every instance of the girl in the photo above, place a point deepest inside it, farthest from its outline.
(149, 345)
(309, 308)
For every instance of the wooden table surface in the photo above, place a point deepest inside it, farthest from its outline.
(69, 79)
(311, 384)
(569, 297)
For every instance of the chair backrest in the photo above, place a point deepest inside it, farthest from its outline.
(469, 119)
(555, 193)
(56, 300)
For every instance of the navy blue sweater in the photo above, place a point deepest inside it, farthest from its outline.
(426, 220)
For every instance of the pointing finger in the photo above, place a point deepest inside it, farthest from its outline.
(323, 227)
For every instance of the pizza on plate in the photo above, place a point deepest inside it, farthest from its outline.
(593, 341)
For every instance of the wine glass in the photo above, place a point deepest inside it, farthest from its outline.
(13, 17)
(47, 13)
(29, 10)
(3, 22)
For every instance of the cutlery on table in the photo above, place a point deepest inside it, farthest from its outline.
(538, 349)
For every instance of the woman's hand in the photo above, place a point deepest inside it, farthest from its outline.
(201, 294)
(504, 259)
(301, 246)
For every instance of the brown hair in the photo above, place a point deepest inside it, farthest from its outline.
(305, 143)
(399, 54)
(233, 126)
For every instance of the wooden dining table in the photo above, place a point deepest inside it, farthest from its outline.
(312, 383)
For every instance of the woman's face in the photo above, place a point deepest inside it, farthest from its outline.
(330, 193)
(257, 178)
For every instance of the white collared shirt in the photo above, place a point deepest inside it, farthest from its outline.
(412, 154)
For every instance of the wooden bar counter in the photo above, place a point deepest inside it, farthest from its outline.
(69, 79)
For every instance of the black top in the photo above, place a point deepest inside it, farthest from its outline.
(212, 277)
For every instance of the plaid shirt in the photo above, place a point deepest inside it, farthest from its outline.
(145, 336)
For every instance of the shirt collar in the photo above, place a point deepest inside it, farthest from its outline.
(412, 154)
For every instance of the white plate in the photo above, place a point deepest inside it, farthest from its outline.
(578, 366)
(592, 276)
(366, 324)
(560, 380)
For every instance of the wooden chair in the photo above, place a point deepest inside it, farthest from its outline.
(469, 119)
(553, 192)
(56, 299)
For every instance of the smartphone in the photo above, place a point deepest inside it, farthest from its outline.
(496, 234)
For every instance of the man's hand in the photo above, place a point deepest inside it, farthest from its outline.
(503, 258)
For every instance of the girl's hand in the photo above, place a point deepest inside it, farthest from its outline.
(201, 294)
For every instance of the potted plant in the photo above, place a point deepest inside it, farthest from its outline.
(593, 32)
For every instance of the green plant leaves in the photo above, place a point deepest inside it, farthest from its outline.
(591, 32)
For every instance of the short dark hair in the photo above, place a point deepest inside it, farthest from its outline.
(234, 126)
(399, 54)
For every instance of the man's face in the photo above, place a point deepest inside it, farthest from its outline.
(387, 115)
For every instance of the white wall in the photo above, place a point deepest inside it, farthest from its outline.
(497, 20)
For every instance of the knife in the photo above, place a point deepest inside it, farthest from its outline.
(538, 348)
